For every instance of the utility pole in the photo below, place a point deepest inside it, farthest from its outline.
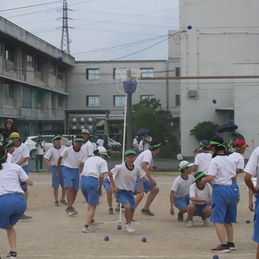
(65, 36)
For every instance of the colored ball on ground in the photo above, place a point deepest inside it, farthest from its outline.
(144, 239)
(215, 257)
(248, 221)
(119, 227)
(189, 27)
(214, 101)
(106, 238)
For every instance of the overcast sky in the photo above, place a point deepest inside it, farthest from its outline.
(100, 29)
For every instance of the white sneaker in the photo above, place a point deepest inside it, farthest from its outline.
(206, 222)
(190, 224)
(94, 223)
(130, 228)
(87, 229)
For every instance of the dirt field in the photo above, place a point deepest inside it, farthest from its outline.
(52, 234)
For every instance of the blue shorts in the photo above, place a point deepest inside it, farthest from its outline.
(147, 186)
(71, 177)
(256, 220)
(224, 204)
(89, 188)
(12, 207)
(236, 189)
(107, 184)
(182, 203)
(57, 181)
(126, 197)
(26, 169)
(199, 210)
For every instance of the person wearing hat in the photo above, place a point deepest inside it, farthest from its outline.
(88, 146)
(8, 129)
(123, 178)
(9, 146)
(144, 160)
(12, 201)
(200, 199)
(180, 191)
(202, 159)
(222, 173)
(20, 157)
(51, 159)
(73, 159)
(39, 153)
(236, 156)
(91, 185)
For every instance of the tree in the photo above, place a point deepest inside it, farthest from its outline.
(204, 130)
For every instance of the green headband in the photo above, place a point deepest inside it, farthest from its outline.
(10, 143)
(56, 137)
(1, 158)
(237, 148)
(157, 145)
(183, 167)
(79, 139)
(199, 176)
(217, 143)
(128, 152)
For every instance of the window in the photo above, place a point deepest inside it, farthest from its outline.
(26, 97)
(177, 100)
(37, 64)
(147, 72)
(142, 97)
(92, 100)
(8, 90)
(60, 101)
(177, 71)
(29, 60)
(119, 100)
(52, 67)
(116, 74)
(92, 74)
(60, 73)
(9, 53)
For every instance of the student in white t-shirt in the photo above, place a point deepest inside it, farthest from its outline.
(87, 146)
(73, 159)
(91, 185)
(123, 178)
(9, 146)
(180, 191)
(51, 159)
(12, 201)
(200, 199)
(202, 159)
(40, 150)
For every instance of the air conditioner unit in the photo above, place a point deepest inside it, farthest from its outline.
(192, 93)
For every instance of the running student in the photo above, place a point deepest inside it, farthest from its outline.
(91, 185)
(200, 199)
(251, 171)
(123, 178)
(51, 159)
(12, 201)
(180, 191)
(144, 161)
(222, 172)
(73, 158)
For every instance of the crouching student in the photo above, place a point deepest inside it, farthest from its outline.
(200, 199)
(91, 185)
(123, 178)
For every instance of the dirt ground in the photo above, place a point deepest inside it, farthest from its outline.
(52, 234)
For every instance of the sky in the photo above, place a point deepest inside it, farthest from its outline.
(100, 29)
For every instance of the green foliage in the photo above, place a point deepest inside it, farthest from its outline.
(152, 103)
(204, 130)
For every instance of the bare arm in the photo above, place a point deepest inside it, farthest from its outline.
(239, 171)
(29, 182)
(47, 162)
(59, 164)
(172, 202)
(144, 166)
(207, 179)
(23, 160)
(250, 200)
(101, 177)
(249, 183)
(114, 187)
(193, 199)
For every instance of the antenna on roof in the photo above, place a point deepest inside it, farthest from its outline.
(65, 36)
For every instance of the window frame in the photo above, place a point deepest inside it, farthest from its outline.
(147, 72)
(94, 75)
(91, 103)
(122, 102)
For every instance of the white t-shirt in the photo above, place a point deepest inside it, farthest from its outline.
(181, 187)
(252, 166)
(145, 156)
(100, 142)
(135, 143)
(9, 158)
(202, 160)
(40, 150)
(88, 149)
(223, 169)
(21, 152)
(9, 178)
(53, 155)
(72, 158)
(125, 178)
(203, 194)
(94, 166)
(238, 159)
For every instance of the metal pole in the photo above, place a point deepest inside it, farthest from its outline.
(129, 121)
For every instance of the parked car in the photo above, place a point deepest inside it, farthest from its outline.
(32, 140)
